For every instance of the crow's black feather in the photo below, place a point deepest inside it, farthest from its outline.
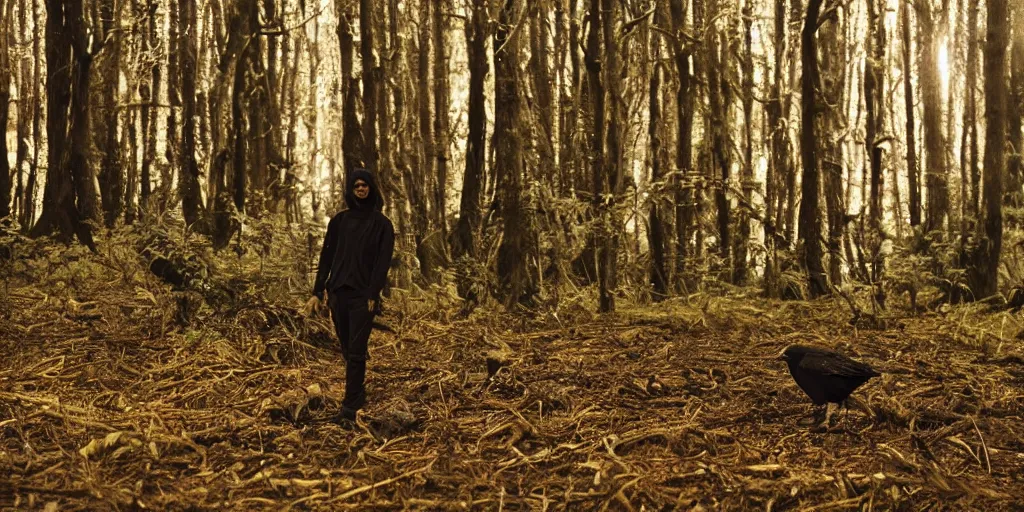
(825, 375)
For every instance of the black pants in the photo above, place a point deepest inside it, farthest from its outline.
(352, 323)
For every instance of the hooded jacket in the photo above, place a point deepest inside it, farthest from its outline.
(359, 243)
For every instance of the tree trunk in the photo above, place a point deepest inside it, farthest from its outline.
(788, 214)
(609, 175)
(515, 281)
(1014, 197)
(970, 199)
(983, 276)
(576, 102)
(741, 275)
(60, 212)
(254, 186)
(936, 179)
(149, 93)
(828, 150)
(970, 175)
(442, 96)
(371, 77)
(352, 137)
(913, 181)
(810, 221)
(565, 95)
(779, 156)
(655, 224)
(171, 145)
(188, 175)
(469, 208)
(539, 67)
(111, 174)
(717, 50)
(874, 101)
(26, 90)
(684, 142)
(5, 104)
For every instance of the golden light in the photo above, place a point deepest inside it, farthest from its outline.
(944, 68)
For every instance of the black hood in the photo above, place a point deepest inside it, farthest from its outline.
(374, 201)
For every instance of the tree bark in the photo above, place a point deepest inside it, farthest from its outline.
(741, 275)
(352, 137)
(828, 150)
(149, 93)
(26, 90)
(442, 94)
(188, 174)
(371, 78)
(779, 158)
(983, 276)
(171, 145)
(913, 181)
(717, 50)
(469, 206)
(936, 178)
(515, 281)
(111, 174)
(684, 188)
(655, 225)
(969, 173)
(5, 104)
(1014, 197)
(810, 221)
(61, 215)
(874, 100)
(788, 213)
(608, 182)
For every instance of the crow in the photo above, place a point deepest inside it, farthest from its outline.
(827, 377)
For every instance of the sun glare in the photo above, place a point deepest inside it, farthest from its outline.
(944, 68)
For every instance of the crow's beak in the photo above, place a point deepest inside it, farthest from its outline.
(782, 356)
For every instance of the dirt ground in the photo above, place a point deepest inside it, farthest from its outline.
(107, 402)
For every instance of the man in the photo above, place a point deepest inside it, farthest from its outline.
(354, 263)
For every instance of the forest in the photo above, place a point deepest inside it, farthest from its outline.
(611, 217)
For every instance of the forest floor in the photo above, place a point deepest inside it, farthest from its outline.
(108, 401)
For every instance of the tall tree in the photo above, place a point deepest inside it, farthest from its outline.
(936, 176)
(352, 137)
(828, 148)
(779, 157)
(5, 104)
(603, 79)
(469, 206)
(983, 275)
(515, 280)
(442, 98)
(149, 93)
(874, 101)
(717, 50)
(655, 224)
(26, 90)
(188, 174)
(684, 137)
(810, 221)
(1014, 196)
(111, 173)
(913, 181)
(371, 79)
(61, 215)
(970, 174)
(742, 272)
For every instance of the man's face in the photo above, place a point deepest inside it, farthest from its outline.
(361, 189)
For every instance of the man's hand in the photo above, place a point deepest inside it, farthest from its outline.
(312, 305)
